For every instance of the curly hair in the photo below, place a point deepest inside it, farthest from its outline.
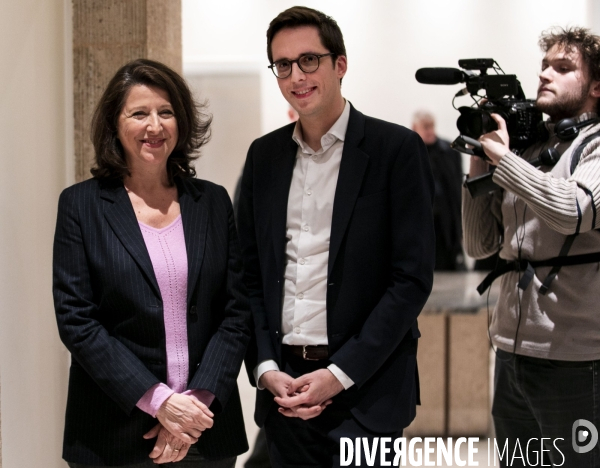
(193, 124)
(581, 39)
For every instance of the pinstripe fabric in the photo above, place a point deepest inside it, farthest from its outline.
(109, 313)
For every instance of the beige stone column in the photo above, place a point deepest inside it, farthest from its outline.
(106, 35)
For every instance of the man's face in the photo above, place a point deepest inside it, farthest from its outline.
(565, 89)
(314, 94)
(426, 130)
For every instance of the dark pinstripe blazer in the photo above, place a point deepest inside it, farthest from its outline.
(110, 317)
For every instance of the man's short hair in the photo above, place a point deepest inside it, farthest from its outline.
(581, 39)
(329, 31)
(421, 115)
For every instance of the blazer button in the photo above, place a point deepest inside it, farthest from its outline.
(193, 310)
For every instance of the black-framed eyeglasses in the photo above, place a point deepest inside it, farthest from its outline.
(308, 63)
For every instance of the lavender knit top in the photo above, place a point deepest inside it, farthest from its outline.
(166, 247)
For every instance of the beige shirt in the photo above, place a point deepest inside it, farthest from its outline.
(308, 231)
(537, 209)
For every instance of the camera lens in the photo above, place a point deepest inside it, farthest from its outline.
(475, 122)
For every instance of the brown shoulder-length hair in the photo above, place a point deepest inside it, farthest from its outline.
(193, 124)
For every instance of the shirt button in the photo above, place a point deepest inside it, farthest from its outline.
(300, 296)
(305, 228)
(309, 192)
(302, 261)
(314, 157)
(297, 330)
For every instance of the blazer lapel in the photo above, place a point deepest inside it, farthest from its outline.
(352, 170)
(282, 169)
(122, 220)
(195, 225)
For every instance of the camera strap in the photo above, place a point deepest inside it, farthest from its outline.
(524, 265)
(564, 251)
(528, 266)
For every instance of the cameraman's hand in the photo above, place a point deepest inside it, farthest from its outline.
(495, 144)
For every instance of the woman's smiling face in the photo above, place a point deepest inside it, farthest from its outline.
(147, 127)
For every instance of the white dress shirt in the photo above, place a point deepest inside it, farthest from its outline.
(308, 232)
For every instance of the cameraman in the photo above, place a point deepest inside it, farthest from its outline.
(546, 326)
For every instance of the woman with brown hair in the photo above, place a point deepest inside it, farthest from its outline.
(147, 287)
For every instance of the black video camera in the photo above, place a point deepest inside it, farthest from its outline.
(503, 96)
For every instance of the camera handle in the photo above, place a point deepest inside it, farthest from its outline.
(482, 184)
(461, 142)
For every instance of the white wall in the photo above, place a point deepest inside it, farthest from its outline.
(34, 94)
(235, 106)
(387, 41)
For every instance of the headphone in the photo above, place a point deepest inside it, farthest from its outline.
(565, 130)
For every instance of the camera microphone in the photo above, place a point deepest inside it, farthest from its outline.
(440, 76)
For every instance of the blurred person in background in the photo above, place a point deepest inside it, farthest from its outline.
(446, 166)
(148, 287)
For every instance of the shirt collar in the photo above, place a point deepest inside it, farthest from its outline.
(336, 132)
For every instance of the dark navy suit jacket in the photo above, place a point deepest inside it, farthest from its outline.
(381, 259)
(110, 317)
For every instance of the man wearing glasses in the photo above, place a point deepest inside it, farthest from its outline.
(335, 219)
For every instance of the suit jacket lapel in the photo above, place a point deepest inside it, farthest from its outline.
(122, 220)
(352, 170)
(282, 169)
(195, 225)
